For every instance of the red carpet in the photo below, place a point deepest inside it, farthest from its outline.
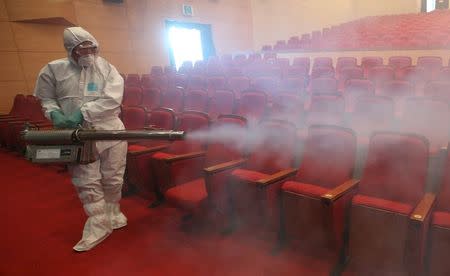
(42, 219)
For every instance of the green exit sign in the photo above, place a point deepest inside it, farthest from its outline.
(188, 10)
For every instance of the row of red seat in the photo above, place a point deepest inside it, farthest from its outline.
(255, 65)
(407, 31)
(383, 223)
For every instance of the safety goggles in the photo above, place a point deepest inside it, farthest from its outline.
(86, 50)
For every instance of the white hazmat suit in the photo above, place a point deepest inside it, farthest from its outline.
(97, 91)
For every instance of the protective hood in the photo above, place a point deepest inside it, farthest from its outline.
(74, 36)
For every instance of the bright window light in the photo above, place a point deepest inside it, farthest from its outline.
(431, 5)
(186, 45)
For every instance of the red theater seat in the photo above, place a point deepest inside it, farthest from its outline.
(196, 100)
(173, 98)
(133, 80)
(355, 88)
(349, 73)
(288, 107)
(325, 109)
(315, 201)
(439, 233)
(343, 62)
(296, 72)
(156, 71)
(132, 96)
(323, 85)
(444, 74)
(438, 90)
(322, 72)
(222, 102)
(238, 85)
(368, 62)
(206, 192)
(379, 75)
(151, 98)
(388, 216)
(252, 105)
(431, 64)
(398, 62)
(215, 83)
(302, 62)
(415, 75)
(293, 85)
(255, 186)
(322, 62)
(134, 117)
(138, 173)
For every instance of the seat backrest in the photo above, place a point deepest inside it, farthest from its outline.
(444, 74)
(374, 109)
(197, 82)
(348, 73)
(35, 110)
(380, 74)
(238, 85)
(134, 117)
(397, 88)
(327, 103)
(369, 62)
(343, 62)
(329, 156)
(18, 105)
(151, 98)
(132, 96)
(296, 71)
(397, 62)
(443, 197)
(190, 121)
(224, 148)
(433, 63)
(266, 84)
(156, 71)
(322, 72)
(288, 107)
(323, 85)
(196, 100)
(222, 102)
(302, 62)
(356, 86)
(133, 80)
(161, 118)
(429, 118)
(395, 168)
(322, 62)
(294, 85)
(413, 74)
(173, 98)
(169, 70)
(216, 83)
(252, 105)
(271, 146)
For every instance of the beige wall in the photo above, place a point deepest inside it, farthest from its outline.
(131, 35)
(274, 20)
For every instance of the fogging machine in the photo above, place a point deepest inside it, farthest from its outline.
(78, 145)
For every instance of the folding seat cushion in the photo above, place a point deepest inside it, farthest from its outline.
(252, 105)
(151, 98)
(173, 98)
(132, 96)
(439, 236)
(323, 85)
(315, 201)
(134, 117)
(325, 109)
(215, 83)
(379, 75)
(196, 100)
(167, 175)
(322, 62)
(206, 192)
(432, 65)
(322, 72)
(222, 102)
(302, 62)
(389, 214)
(255, 185)
(368, 62)
(343, 62)
(17, 107)
(348, 73)
(429, 118)
(156, 71)
(398, 62)
(238, 85)
(288, 107)
(355, 88)
(133, 80)
(438, 90)
(138, 171)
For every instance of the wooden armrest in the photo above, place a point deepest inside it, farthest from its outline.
(423, 208)
(224, 166)
(7, 120)
(339, 191)
(276, 177)
(152, 127)
(149, 150)
(185, 156)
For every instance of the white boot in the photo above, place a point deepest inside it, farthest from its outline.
(117, 218)
(97, 227)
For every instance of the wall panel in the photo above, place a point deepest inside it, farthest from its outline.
(106, 16)
(10, 69)
(37, 9)
(38, 37)
(3, 11)
(8, 89)
(6, 38)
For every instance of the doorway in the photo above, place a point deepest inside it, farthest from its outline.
(189, 42)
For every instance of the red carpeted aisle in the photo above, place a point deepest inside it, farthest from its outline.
(42, 219)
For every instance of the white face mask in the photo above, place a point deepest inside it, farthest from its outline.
(86, 60)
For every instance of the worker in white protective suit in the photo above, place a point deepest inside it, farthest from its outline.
(86, 89)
